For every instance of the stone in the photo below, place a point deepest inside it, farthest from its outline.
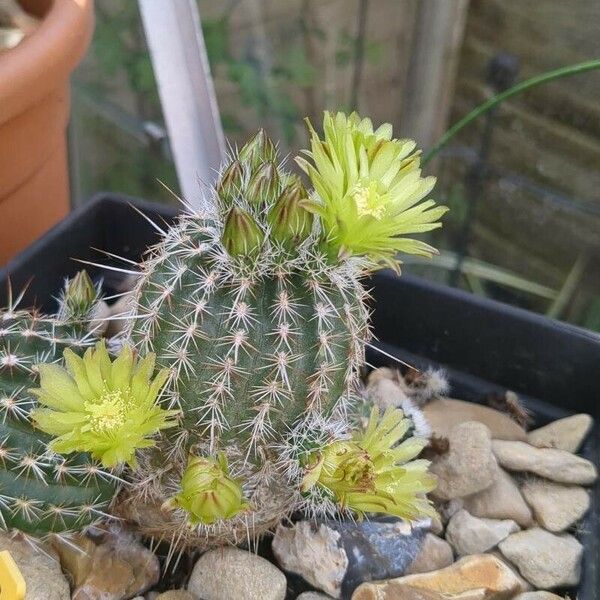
(474, 535)
(176, 595)
(444, 414)
(469, 465)
(75, 557)
(502, 500)
(565, 434)
(380, 548)
(538, 596)
(436, 526)
(231, 574)
(374, 549)
(556, 507)
(312, 596)
(556, 465)
(405, 592)
(113, 567)
(471, 578)
(435, 554)
(314, 552)
(40, 569)
(449, 508)
(384, 390)
(544, 559)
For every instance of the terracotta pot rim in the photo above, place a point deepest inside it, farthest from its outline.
(44, 60)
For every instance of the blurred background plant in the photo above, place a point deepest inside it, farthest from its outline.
(521, 181)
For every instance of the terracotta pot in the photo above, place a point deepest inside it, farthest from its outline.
(34, 112)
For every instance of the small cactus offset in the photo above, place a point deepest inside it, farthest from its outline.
(42, 492)
(257, 311)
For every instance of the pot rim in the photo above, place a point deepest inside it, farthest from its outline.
(44, 60)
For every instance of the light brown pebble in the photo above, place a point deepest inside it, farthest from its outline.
(565, 434)
(176, 595)
(444, 413)
(556, 506)
(483, 574)
(435, 554)
(556, 465)
(232, 574)
(544, 559)
(502, 500)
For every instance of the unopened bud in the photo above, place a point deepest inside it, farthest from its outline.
(80, 294)
(208, 493)
(258, 150)
(241, 234)
(291, 218)
(231, 182)
(264, 184)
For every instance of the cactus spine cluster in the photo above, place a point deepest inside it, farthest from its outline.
(263, 329)
(42, 492)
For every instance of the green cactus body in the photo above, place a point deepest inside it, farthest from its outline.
(282, 347)
(41, 492)
(264, 351)
(256, 309)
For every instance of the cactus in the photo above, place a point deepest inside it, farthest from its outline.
(257, 309)
(42, 492)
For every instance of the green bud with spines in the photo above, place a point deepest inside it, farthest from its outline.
(231, 183)
(208, 493)
(80, 294)
(241, 234)
(258, 150)
(263, 186)
(291, 219)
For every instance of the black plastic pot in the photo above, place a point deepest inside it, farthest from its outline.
(485, 346)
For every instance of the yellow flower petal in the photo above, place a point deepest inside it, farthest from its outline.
(373, 472)
(366, 182)
(59, 389)
(115, 414)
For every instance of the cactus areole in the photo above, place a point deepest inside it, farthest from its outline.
(258, 312)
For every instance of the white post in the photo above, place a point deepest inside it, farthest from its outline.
(186, 91)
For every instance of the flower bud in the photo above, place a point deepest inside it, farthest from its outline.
(257, 150)
(291, 219)
(241, 234)
(80, 294)
(231, 182)
(207, 492)
(264, 184)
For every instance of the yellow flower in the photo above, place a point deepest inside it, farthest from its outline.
(105, 408)
(207, 492)
(374, 473)
(369, 190)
